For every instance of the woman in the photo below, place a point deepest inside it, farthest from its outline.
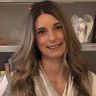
(49, 62)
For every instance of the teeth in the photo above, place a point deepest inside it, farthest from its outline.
(54, 46)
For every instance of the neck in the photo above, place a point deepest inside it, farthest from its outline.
(53, 67)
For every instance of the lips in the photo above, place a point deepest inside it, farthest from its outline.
(54, 46)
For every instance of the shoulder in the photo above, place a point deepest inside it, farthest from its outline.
(93, 75)
(5, 85)
(93, 83)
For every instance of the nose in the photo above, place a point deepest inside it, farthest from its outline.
(52, 36)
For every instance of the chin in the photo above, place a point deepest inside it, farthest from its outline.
(59, 55)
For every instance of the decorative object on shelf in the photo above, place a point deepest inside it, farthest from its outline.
(2, 74)
(89, 23)
(3, 41)
(94, 32)
(82, 27)
(7, 68)
(79, 27)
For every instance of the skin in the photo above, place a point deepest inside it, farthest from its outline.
(50, 37)
(51, 43)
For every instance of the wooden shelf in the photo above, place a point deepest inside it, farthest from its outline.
(88, 47)
(8, 48)
(13, 48)
(53, 0)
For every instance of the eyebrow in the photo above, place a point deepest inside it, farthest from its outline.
(41, 28)
(56, 23)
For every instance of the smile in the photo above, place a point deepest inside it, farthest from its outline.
(54, 46)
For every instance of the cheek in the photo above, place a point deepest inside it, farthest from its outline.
(60, 35)
(41, 42)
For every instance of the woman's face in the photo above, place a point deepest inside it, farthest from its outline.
(49, 36)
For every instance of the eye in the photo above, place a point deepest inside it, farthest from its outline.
(58, 27)
(41, 31)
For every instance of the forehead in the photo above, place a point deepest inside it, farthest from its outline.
(45, 20)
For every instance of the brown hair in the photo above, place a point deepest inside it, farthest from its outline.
(27, 58)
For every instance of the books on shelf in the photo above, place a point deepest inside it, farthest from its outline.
(6, 70)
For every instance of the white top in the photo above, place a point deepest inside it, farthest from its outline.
(94, 85)
(51, 92)
(3, 85)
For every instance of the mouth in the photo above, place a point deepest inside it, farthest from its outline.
(54, 46)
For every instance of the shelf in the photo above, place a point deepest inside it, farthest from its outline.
(8, 48)
(53, 0)
(13, 48)
(88, 47)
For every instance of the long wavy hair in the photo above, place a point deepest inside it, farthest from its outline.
(26, 60)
